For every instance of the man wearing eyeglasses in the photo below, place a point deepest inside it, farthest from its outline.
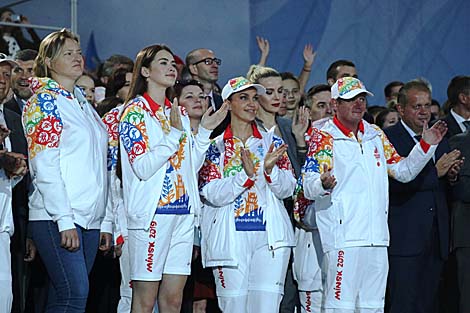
(204, 67)
(348, 162)
(418, 218)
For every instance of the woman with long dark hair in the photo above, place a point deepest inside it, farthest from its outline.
(160, 158)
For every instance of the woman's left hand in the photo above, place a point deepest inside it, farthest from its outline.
(211, 120)
(273, 156)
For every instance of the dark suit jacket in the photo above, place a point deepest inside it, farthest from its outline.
(217, 100)
(296, 159)
(460, 213)
(414, 205)
(453, 127)
(223, 125)
(18, 144)
(14, 106)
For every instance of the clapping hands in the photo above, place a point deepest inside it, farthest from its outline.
(273, 155)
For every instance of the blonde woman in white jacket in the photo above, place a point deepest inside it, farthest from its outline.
(246, 233)
(160, 159)
(67, 153)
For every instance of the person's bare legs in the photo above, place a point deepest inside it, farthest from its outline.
(171, 293)
(144, 296)
(200, 306)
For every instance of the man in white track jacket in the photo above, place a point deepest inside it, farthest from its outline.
(346, 173)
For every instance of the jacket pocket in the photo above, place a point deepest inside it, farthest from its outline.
(217, 237)
(306, 268)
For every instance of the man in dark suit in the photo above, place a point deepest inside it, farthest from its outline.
(21, 248)
(203, 66)
(458, 93)
(20, 75)
(418, 215)
(460, 218)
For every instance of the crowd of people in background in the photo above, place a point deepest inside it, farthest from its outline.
(150, 186)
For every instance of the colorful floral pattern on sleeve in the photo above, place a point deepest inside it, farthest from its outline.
(320, 151)
(300, 202)
(42, 121)
(210, 168)
(283, 163)
(133, 131)
(391, 155)
(111, 121)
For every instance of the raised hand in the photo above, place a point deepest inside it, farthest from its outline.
(273, 156)
(69, 240)
(434, 134)
(309, 55)
(300, 125)
(263, 46)
(24, 20)
(328, 181)
(211, 120)
(446, 161)
(247, 163)
(175, 116)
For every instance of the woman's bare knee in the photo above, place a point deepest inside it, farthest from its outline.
(171, 293)
(144, 296)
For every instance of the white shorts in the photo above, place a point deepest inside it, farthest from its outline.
(355, 278)
(166, 248)
(6, 295)
(259, 269)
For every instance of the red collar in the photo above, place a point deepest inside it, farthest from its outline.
(153, 105)
(229, 135)
(346, 131)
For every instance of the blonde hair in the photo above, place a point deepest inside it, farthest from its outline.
(50, 48)
(257, 72)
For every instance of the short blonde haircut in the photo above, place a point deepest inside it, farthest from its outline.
(50, 48)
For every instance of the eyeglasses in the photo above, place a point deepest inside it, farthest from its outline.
(209, 61)
(418, 107)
